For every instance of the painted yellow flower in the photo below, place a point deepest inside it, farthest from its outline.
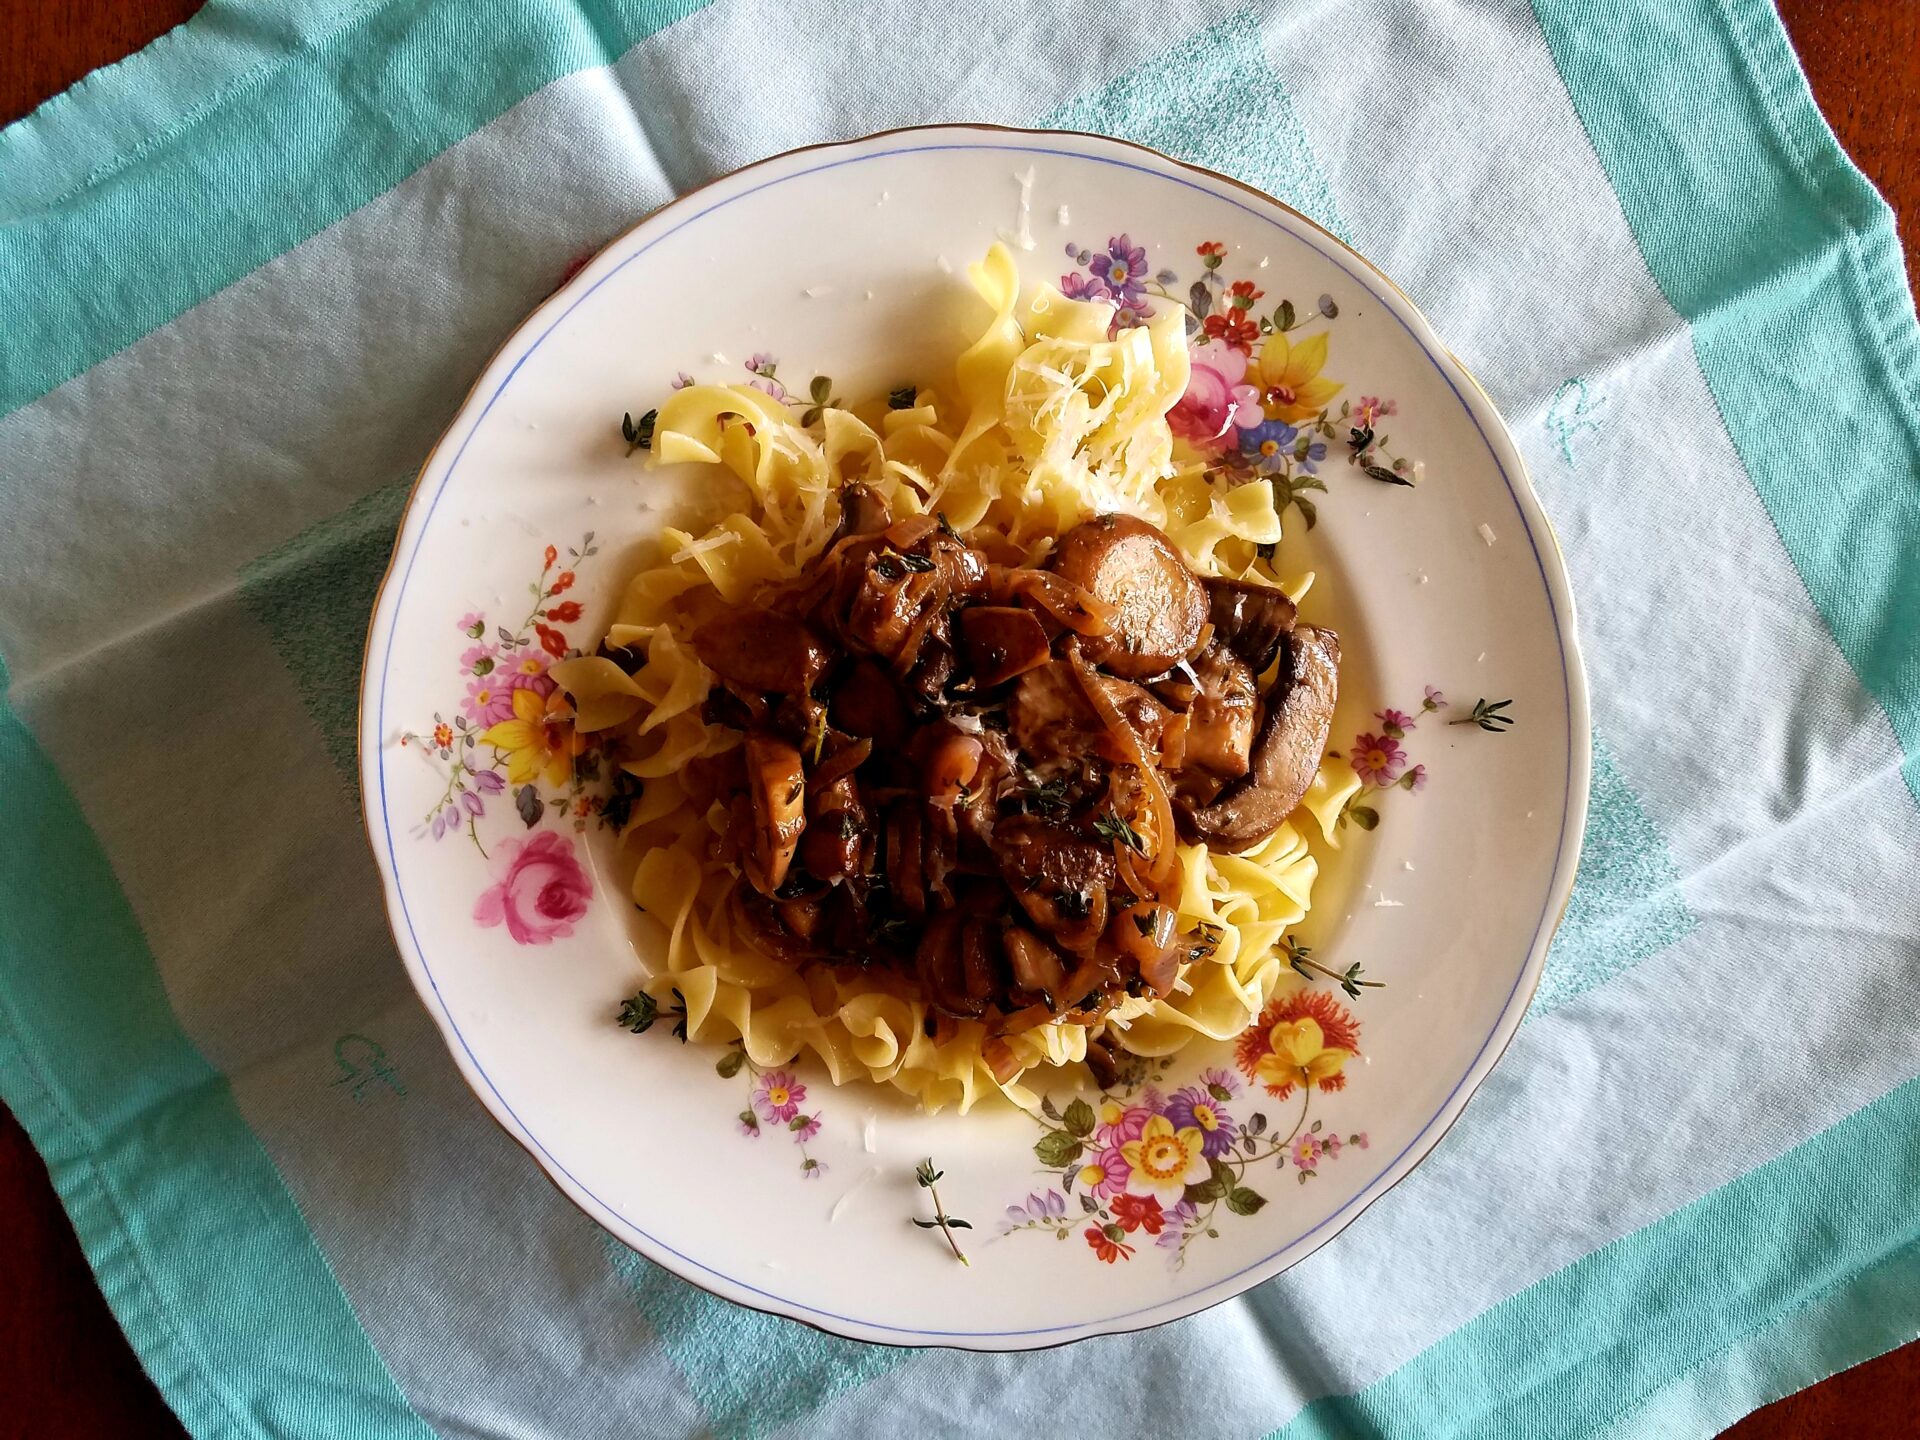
(1304, 1037)
(1289, 380)
(1165, 1161)
(539, 740)
(1301, 1056)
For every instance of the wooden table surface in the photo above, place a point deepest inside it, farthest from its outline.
(65, 1369)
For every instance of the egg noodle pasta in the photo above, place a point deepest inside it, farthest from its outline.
(1052, 418)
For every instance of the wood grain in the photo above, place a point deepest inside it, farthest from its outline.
(65, 1368)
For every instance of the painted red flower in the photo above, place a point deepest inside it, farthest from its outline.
(1242, 294)
(1303, 1037)
(566, 612)
(562, 581)
(1139, 1212)
(1106, 1243)
(552, 555)
(1233, 329)
(1211, 250)
(551, 640)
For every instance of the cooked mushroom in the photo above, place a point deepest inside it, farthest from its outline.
(1038, 971)
(865, 702)
(1291, 742)
(835, 843)
(1159, 603)
(1002, 641)
(1221, 715)
(1249, 619)
(1060, 880)
(761, 651)
(862, 512)
(777, 784)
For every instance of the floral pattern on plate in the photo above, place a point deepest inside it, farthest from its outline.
(1139, 1164)
(510, 745)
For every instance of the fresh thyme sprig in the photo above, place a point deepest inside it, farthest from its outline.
(639, 436)
(946, 1224)
(1300, 957)
(1113, 826)
(1486, 714)
(638, 1012)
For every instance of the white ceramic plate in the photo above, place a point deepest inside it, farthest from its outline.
(844, 261)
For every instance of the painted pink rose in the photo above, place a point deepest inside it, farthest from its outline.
(1217, 400)
(541, 890)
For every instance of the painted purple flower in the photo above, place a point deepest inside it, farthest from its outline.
(1075, 286)
(1105, 1173)
(1178, 1219)
(1377, 759)
(489, 700)
(471, 803)
(769, 386)
(479, 658)
(812, 1169)
(1416, 778)
(474, 624)
(682, 380)
(488, 782)
(541, 890)
(1221, 1084)
(1310, 461)
(749, 1124)
(778, 1096)
(1217, 399)
(1330, 1145)
(1360, 1140)
(1039, 1210)
(809, 1128)
(439, 826)
(1268, 445)
(1154, 1098)
(1123, 269)
(1128, 315)
(761, 363)
(1195, 1107)
(1306, 1152)
(1435, 700)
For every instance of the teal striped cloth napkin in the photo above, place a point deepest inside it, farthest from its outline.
(248, 275)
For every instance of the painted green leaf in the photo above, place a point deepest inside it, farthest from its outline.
(1244, 1201)
(730, 1063)
(1057, 1148)
(1079, 1118)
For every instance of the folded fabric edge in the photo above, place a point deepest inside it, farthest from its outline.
(111, 111)
(1676, 1302)
(88, 1042)
(1858, 1322)
(105, 1243)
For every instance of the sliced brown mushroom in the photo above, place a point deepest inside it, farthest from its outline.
(1038, 970)
(1222, 713)
(761, 651)
(1159, 603)
(865, 702)
(1002, 641)
(1288, 751)
(1249, 619)
(777, 786)
(862, 512)
(835, 843)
